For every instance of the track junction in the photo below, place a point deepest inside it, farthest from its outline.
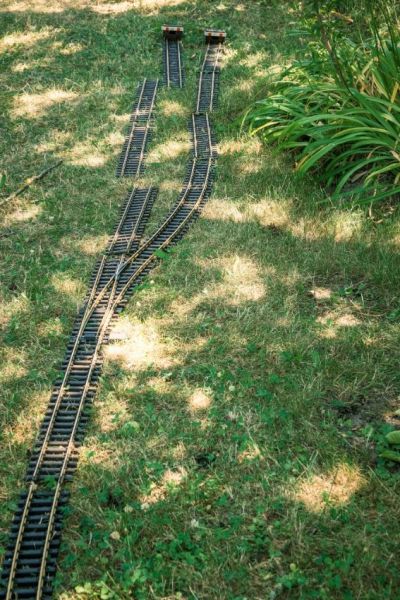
(29, 564)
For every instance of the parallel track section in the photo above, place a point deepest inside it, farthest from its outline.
(30, 561)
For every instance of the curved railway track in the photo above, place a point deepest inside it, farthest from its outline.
(207, 92)
(30, 561)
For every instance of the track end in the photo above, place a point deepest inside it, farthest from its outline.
(214, 36)
(172, 32)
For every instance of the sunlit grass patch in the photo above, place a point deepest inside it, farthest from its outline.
(241, 280)
(335, 488)
(25, 38)
(141, 346)
(22, 214)
(36, 105)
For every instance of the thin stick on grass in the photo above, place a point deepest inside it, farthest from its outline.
(29, 182)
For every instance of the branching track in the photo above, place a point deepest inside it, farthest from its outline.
(30, 562)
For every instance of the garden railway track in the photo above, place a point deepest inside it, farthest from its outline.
(29, 564)
(132, 156)
(172, 56)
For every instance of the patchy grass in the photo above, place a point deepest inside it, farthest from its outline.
(233, 448)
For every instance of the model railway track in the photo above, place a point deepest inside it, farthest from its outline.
(172, 56)
(172, 60)
(131, 161)
(30, 561)
(29, 564)
(207, 93)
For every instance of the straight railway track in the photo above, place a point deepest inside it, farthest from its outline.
(131, 161)
(30, 562)
(172, 58)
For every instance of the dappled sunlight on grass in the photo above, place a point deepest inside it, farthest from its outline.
(115, 139)
(179, 452)
(223, 401)
(113, 8)
(23, 214)
(121, 119)
(229, 55)
(159, 385)
(188, 348)
(271, 212)
(35, 105)
(18, 435)
(92, 244)
(158, 491)
(252, 452)
(331, 321)
(141, 347)
(241, 282)
(17, 305)
(13, 365)
(334, 488)
(347, 224)
(21, 67)
(170, 185)
(172, 108)
(156, 5)
(88, 244)
(59, 6)
(71, 48)
(24, 428)
(223, 210)
(51, 327)
(96, 454)
(74, 289)
(85, 154)
(252, 166)
(169, 149)
(254, 60)
(112, 413)
(122, 330)
(25, 38)
(199, 400)
(54, 141)
(321, 293)
(341, 320)
(247, 85)
(182, 309)
(251, 146)
(40, 6)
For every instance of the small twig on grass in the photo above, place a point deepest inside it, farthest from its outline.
(29, 182)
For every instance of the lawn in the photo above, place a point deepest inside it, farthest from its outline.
(234, 446)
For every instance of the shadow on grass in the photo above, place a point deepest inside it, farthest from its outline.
(231, 439)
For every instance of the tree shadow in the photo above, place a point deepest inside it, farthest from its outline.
(255, 364)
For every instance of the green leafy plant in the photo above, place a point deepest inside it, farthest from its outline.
(338, 111)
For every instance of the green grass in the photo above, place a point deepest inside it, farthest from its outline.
(233, 451)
